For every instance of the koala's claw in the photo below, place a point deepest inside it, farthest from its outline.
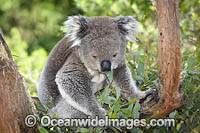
(145, 94)
(151, 91)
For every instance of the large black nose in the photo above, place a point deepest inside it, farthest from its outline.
(105, 65)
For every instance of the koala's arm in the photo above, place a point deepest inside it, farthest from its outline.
(74, 86)
(123, 78)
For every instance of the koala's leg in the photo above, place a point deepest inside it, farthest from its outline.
(123, 78)
(74, 86)
(65, 110)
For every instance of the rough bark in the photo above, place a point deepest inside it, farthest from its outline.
(169, 60)
(15, 101)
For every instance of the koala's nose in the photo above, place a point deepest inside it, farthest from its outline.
(105, 65)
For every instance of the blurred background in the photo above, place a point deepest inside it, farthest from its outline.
(33, 27)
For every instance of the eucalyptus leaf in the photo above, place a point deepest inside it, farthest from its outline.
(172, 114)
(126, 112)
(132, 101)
(109, 100)
(136, 109)
(41, 108)
(117, 90)
(106, 91)
(110, 75)
(190, 62)
(42, 129)
(140, 68)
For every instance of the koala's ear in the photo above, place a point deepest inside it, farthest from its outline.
(77, 27)
(128, 27)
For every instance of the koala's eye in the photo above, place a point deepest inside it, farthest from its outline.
(94, 56)
(115, 55)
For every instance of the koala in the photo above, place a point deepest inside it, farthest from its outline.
(75, 68)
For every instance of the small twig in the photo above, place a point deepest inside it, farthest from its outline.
(2, 36)
(2, 40)
(15, 55)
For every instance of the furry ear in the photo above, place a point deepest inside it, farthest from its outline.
(128, 27)
(77, 28)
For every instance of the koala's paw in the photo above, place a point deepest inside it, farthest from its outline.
(152, 93)
(103, 112)
(141, 95)
(146, 93)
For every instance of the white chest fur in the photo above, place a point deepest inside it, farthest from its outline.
(97, 80)
(97, 77)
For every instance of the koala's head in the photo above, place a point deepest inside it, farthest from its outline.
(101, 41)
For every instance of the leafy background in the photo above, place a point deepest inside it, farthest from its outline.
(33, 27)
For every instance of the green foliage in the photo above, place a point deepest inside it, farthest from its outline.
(29, 65)
(37, 21)
(33, 27)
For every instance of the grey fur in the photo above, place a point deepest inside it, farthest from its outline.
(72, 73)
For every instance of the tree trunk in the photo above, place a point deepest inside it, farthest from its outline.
(15, 101)
(169, 60)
